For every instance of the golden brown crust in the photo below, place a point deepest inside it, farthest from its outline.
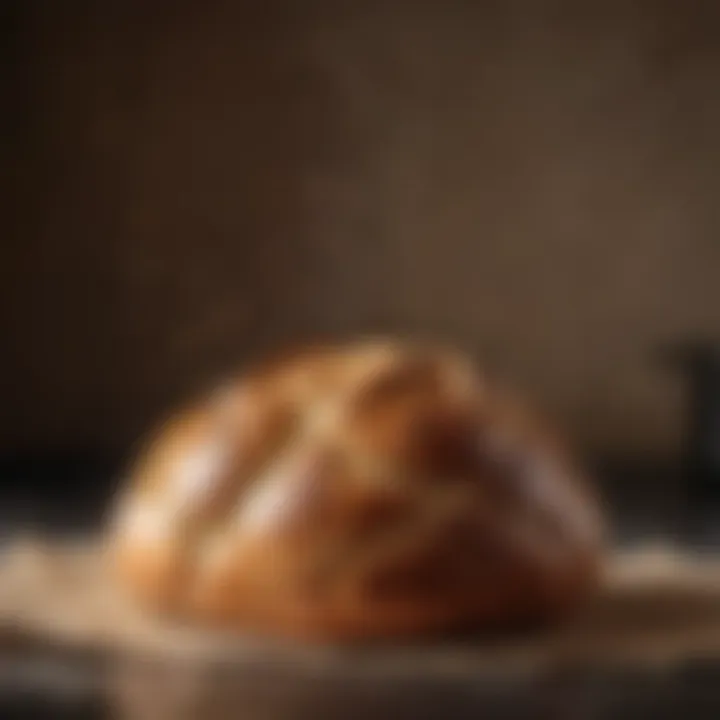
(367, 490)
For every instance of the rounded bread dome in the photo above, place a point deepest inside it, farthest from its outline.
(364, 490)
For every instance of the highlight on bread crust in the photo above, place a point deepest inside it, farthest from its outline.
(368, 490)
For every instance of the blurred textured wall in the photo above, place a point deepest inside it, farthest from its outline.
(188, 183)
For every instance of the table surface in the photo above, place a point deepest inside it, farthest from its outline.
(55, 688)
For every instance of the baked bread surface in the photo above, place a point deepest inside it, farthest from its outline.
(368, 490)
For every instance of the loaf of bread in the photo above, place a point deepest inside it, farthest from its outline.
(368, 490)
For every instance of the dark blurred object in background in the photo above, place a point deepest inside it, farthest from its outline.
(698, 363)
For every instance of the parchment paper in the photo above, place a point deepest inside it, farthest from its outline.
(658, 606)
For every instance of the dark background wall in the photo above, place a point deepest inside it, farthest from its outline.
(186, 184)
